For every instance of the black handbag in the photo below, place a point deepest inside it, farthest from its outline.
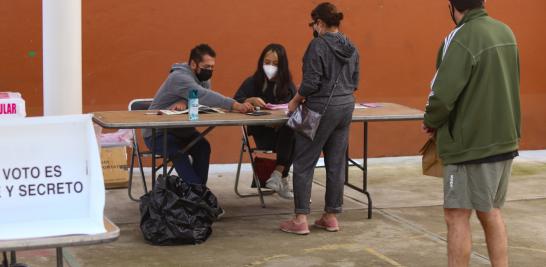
(306, 121)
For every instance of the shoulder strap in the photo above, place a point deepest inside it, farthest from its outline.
(337, 79)
(333, 87)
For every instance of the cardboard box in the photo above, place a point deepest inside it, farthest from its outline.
(114, 167)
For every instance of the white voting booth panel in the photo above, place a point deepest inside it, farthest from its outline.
(50, 177)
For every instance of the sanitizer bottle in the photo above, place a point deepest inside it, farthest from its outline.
(193, 105)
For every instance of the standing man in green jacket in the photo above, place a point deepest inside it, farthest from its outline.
(474, 112)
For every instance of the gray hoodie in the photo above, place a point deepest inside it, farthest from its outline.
(177, 87)
(322, 62)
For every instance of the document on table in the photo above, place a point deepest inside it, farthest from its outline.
(276, 106)
(202, 109)
(367, 105)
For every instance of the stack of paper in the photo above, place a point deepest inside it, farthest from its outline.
(202, 109)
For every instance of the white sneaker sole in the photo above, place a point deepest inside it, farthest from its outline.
(273, 186)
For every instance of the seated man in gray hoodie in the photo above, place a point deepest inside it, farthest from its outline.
(173, 94)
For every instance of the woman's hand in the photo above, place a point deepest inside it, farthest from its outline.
(256, 101)
(294, 103)
(181, 105)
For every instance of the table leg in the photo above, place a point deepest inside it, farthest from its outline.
(365, 170)
(13, 257)
(59, 257)
(165, 154)
(347, 161)
(238, 173)
(154, 135)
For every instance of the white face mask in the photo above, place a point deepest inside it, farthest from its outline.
(270, 71)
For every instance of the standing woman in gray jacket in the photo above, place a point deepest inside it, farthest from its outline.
(329, 57)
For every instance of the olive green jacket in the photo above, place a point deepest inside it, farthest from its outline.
(474, 104)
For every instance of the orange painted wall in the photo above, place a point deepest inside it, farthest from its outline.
(128, 47)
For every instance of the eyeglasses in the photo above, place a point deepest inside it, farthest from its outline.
(311, 24)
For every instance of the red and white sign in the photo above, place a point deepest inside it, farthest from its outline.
(12, 105)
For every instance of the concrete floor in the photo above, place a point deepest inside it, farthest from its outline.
(407, 228)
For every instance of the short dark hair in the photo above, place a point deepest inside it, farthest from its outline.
(199, 51)
(328, 13)
(463, 5)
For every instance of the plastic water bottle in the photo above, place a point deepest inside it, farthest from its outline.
(193, 105)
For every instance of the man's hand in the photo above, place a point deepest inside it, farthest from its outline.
(181, 105)
(242, 108)
(256, 101)
(429, 131)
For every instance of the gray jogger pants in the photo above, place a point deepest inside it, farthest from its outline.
(331, 138)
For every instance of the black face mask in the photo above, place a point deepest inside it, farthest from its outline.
(452, 13)
(204, 75)
(315, 32)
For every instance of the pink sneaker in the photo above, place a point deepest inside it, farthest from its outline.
(295, 228)
(329, 225)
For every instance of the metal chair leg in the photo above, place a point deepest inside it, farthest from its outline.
(131, 172)
(59, 257)
(256, 180)
(245, 146)
(142, 172)
(136, 152)
(130, 183)
(237, 176)
(13, 261)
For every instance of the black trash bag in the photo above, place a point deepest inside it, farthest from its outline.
(176, 212)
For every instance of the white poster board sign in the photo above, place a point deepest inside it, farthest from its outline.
(50, 177)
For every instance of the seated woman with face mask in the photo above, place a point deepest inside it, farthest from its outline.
(272, 83)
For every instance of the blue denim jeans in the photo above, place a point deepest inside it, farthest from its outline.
(195, 171)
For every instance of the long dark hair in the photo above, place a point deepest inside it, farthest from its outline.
(283, 79)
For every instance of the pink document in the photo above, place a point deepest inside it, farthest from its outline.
(276, 106)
